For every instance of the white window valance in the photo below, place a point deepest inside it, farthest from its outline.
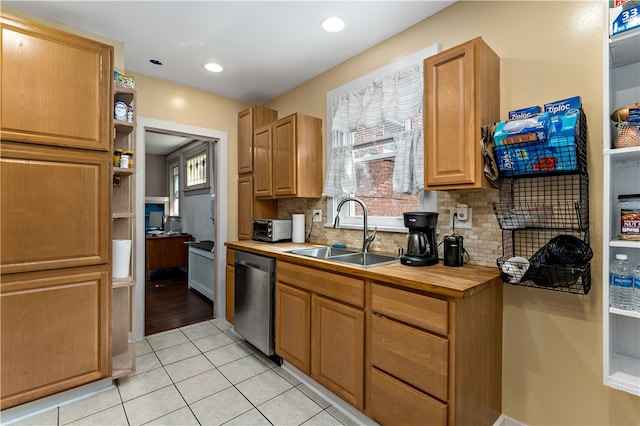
(395, 97)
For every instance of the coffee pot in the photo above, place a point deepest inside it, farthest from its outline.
(421, 241)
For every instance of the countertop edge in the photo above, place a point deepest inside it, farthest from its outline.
(459, 282)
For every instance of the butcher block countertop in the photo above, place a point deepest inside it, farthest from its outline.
(458, 282)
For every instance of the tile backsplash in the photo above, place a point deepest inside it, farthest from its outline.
(483, 241)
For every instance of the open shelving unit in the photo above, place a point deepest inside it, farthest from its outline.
(123, 228)
(621, 328)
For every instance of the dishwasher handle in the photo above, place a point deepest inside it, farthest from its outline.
(263, 263)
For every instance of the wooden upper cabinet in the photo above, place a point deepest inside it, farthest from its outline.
(289, 158)
(461, 94)
(55, 87)
(249, 120)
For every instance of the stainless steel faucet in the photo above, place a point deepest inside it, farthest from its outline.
(366, 239)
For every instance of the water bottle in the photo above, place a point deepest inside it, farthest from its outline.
(620, 283)
(636, 288)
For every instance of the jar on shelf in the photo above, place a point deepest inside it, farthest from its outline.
(124, 160)
(629, 208)
(117, 155)
(130, 154)
(120, 110)
(130, 114)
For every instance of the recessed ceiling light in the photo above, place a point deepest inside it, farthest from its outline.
(155, 62)
(213, 67)
(333, 24)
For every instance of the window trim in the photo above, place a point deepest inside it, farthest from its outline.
(427, 198)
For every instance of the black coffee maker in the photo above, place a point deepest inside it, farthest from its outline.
(422, 249)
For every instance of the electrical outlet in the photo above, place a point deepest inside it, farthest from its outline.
(459, 223)
(317, 215)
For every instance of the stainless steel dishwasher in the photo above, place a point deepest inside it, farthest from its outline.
(255, 300)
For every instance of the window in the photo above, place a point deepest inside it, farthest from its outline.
(374, 152)
(196, 169)
(174, 189)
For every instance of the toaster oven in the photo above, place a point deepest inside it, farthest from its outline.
(272, 230)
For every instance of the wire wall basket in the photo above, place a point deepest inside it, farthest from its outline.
(544, 217)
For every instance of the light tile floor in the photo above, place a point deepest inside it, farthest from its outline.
(199, 374)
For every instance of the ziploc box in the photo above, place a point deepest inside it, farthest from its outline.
(564, 116)
(524, 112)
(530, 129)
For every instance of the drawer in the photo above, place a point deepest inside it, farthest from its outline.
(345, 289)
(412, 355)
(413, 308)
(395, 403)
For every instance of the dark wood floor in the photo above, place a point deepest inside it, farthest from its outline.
(169, 303)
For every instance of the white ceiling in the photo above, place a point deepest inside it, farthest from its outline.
(265, 47)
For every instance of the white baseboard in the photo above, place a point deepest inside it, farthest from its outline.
(28, 409)
(507, 421)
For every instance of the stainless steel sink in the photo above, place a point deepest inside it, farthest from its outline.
(321, 252)
(366, 260)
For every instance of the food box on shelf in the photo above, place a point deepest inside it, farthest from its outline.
(542, 143)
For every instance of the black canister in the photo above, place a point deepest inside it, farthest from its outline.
(453, 250)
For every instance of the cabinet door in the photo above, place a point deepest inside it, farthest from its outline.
(338, 349)
(449, 120)
(249, 120)
(263, 184)
(285, 168)
(245, 207)
(55, 87)
(293, 326)
(245, 141)
(461, 93)
(55, 207)
(55, 331)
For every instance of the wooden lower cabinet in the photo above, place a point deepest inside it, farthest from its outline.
(55, 331)
(433, 360)
(318, 331)
(230, 284)
(338, 349)
(293, 326)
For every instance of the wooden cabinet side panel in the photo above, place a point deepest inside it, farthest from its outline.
(262, 171)
(55, 332)
(55, 208)
(55, 87)
(338, 349)
(293, 326)
(449, 116)
(309, 160)
(230, 293)
(393, 403)
(475, 382)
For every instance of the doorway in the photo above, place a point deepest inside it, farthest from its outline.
(180, 133)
